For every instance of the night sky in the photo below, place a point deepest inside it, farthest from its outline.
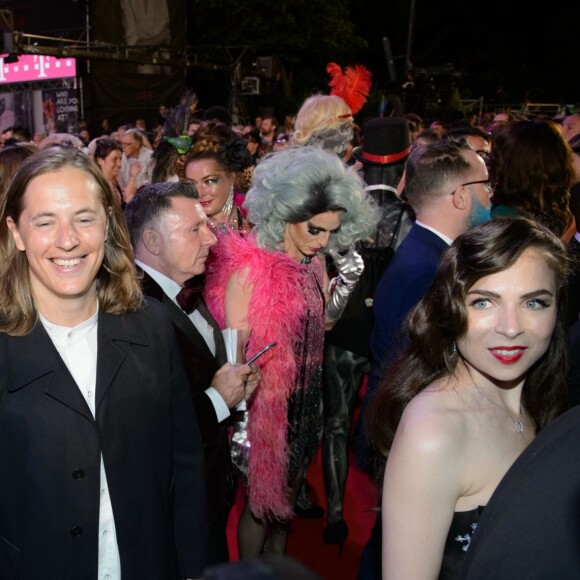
(491, 44)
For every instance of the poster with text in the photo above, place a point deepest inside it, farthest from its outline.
(60, 110)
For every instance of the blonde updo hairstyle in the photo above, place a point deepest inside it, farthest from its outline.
(324, 122)
(317, 114)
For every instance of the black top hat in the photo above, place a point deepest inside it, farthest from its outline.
(386, 140)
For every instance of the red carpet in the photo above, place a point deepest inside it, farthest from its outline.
(305, 540)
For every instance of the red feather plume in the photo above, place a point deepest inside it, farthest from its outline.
(353, 86)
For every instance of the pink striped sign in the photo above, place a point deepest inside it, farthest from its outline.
(33, 67)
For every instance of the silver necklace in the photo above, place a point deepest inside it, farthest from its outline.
(519, 423)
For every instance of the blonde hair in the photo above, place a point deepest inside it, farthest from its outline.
(317, 114)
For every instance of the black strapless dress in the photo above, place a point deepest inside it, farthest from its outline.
(462, 527)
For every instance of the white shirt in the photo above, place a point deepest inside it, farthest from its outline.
(77, 347)
(145, 159)
(171, 289)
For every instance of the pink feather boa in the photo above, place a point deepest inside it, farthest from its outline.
(276, 313)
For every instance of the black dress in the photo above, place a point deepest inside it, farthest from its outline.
(458, 539)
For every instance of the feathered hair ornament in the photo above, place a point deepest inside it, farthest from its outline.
(177, 123)
(353, 86)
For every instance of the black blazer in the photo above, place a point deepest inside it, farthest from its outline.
(531, 525)
(144, 427)
(201, 366)
(574, 282)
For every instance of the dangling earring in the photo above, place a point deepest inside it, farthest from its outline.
(453, 350)
(449, 354)
(228, 206)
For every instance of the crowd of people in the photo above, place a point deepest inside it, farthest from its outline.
(203, 307)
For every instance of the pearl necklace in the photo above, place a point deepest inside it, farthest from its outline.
(519, 423)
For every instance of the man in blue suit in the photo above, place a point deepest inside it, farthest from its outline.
(448, 187)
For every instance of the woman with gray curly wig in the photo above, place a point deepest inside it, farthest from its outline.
(290, 189)
(271, 285)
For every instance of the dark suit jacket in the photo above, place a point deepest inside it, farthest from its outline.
(574, 350)
(50, 451)
(404, 283)
(200, 366)
(531, 526)
(574, 282)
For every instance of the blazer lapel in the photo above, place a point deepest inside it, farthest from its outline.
(178, 317)
(182, 321)
(113, 336)
(47, 368)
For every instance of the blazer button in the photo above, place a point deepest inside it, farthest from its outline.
(78, 473)
(76, 531)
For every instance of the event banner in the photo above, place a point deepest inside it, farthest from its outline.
(29, 67)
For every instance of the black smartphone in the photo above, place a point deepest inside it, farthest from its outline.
(260, 353)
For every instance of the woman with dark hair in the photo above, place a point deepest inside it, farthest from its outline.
(531, 167)
(215, 163)
(252, 136)
(107, 155)
(271, 286)
(93, 393)
(486, 370)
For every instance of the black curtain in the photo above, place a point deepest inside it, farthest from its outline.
(122, 91)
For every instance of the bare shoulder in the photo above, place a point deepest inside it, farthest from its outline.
(239, 282)
(434, 424)
(237, 303)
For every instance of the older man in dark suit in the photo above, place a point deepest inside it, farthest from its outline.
(171, 241)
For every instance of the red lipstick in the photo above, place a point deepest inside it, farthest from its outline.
(508, 355)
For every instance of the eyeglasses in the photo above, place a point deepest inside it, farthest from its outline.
(485, 182)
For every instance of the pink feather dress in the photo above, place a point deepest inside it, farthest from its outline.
(284, 415)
